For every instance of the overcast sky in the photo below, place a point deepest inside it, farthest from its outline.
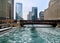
(28, 4)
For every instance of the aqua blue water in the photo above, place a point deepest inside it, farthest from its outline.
(32, 35)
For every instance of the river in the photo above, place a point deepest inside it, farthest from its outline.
(32, 34)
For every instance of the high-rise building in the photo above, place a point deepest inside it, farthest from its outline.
(41, 15)
(29, 16)
(6, 9)
(11, 9)
(18, 11)
(34, 13)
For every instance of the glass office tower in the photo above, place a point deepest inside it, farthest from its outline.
(34, 13)
(18, 11)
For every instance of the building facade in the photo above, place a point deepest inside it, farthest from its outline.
(41, 15)
(18, 11)
(34, 13)
(29, 16)
(6, 9)
(11, 9)
(53, 11)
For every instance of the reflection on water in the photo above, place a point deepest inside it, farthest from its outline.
(35, 36)
(32, 35)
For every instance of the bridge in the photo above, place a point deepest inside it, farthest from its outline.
(48, 22)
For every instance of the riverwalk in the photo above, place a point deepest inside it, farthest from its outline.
(4, 30)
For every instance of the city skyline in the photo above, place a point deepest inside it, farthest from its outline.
(27, 5)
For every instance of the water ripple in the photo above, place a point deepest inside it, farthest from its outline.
(26, 35)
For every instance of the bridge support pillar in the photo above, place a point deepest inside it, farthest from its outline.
(18, 24)
(0, 27)
(58, 25)
(21, 25)
(54, 25)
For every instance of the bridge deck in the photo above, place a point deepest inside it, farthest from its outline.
(52, 22)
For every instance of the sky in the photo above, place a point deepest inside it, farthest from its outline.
(28, 4)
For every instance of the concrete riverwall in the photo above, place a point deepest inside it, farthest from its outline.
(58, 25)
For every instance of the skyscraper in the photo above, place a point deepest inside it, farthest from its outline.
(41, 15)
(11, 9)
(18, 11)
(6, 9)
(29, 16)
(34, 13)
